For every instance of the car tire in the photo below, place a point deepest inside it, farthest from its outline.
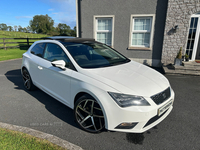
(28, 84)
(89, 115)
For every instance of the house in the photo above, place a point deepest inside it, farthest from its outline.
(148, 31)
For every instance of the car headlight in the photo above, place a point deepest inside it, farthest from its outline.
(125, 100)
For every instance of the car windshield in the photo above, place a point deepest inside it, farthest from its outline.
(94, 55)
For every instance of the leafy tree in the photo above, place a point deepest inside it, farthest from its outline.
(25, 30)
(64, 29)
(20, 29)
(41, 24)
(15, 27)
(73, 32)
(3, 27)
(54, 32)
(10, 28)
(28, 29)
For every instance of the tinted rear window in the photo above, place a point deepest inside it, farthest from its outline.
(38, 49)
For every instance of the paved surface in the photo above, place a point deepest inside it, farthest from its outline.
(37, 110)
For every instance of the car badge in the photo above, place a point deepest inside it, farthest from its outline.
(164, 95)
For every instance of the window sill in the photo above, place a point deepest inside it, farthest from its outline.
(139, 48)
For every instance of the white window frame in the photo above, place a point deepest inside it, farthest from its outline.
(151, 31)
(96, 28)
(194, 53)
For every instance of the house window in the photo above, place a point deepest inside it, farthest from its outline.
(141, 31)
(104, 30)
(191, 36)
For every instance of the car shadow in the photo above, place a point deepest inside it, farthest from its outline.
(52, 105)
(138, 138)
(135, 138)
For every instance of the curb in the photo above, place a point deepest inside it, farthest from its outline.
(51, 138)
(10, 60)
(173, 71)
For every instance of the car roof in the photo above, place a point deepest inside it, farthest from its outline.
(69, 39)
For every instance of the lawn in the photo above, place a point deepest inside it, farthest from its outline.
(11, 54)
(14, 140)
(8, 34)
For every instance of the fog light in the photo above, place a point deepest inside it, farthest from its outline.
(126, 125)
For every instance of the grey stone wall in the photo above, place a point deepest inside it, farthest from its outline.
(179, 13)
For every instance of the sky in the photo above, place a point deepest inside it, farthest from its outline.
(20, 12)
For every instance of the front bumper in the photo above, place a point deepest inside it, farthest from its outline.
(146, 117)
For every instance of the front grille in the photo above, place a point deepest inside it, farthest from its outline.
(162, 96)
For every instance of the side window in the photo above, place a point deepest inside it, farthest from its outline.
(38, 49)
(54, 52)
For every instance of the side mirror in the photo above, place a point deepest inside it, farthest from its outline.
(59, 63)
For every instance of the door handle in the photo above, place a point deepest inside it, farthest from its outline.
(39, 67)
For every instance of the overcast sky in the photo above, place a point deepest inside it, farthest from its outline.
(20, 12)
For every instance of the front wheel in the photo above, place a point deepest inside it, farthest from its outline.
(89, 115)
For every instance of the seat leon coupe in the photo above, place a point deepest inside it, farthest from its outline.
(105, 89)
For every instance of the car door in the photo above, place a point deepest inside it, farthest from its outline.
(37, 53)
(54, 80)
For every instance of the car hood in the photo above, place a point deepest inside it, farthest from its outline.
(130, 78)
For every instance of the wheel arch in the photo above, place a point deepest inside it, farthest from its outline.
(78, 95)
(23, 67)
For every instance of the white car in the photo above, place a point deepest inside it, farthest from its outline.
(104, 88)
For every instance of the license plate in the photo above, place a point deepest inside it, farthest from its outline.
(164, 108)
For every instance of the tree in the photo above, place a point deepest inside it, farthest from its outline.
(15, 27)
(10, 28)
(20, 29)
(28, 29)
(25, 30)
(3, 27)
(73, 32)
(41, 24)
(64, 29)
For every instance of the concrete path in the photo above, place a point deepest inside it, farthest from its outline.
(188, 68)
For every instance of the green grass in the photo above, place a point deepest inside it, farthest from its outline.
(8, 34)
(16, 52)
(11, 54)
(14, 140)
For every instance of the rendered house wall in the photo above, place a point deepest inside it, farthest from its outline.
(122, 10)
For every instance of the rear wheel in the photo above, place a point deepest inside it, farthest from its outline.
(88, 114)
(28, 84)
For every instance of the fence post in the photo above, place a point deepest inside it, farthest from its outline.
(28, 42)
(4, 43)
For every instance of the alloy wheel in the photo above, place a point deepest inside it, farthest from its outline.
(89, 115)
(26, 79)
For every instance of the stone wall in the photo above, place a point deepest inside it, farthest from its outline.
(179, 13)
